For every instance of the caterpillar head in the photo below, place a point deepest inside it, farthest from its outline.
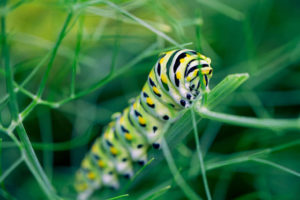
(198, 71)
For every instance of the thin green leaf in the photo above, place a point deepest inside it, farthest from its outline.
(188, 191)
(225, 88)
(200, 156)
(275, 165)
(11, 168)
(119, 197)
(272, 124)
(223, 8)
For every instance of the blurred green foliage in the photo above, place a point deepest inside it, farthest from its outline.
(75, 63)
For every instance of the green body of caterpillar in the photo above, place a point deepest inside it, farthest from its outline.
(172, 85)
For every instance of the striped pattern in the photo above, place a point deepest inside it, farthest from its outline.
(172, 85)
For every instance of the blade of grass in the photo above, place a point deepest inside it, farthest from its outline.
(200, 156)
(29, 155)
(249, 121)
(111, 15)
(44, 120)
(225, 88)
(8, 145)
(1, 183)
(7, 172)
(248, 156)
(64, 51)
(6, 195)
(8, 9)
(223, 8)
(143, 23)
(125, 188)
(28, 78)
(34, 165)
(223, 183)
(109, 77)
(62, 34)
(119, 197)
(158, 193)
(275, 165)
(188, 191)
(76, 57)
(209, 135)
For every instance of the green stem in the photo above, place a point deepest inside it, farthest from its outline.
(200, 156)
(27, 150)
(223, 8)
(249, 121)
(275, 165)
(118, 197)
(250, 156)
(77, 51)
(53, 54)
(143, 23)
(125, 188)
(177, 176)
(11, 168)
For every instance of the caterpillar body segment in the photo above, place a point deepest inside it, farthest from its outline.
(136, 143)
(172, 85)
(99, 158)
(116, 151)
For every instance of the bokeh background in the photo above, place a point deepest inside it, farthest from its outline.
(104, 53)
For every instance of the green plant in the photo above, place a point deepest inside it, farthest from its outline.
(55, 82)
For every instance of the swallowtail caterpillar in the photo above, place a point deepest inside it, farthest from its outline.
(172, 85)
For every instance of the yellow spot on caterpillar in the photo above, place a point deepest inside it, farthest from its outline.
(134, 105)
(161, 60)
(149, 101)
(178, 75)
(81, 187)
(206, 70)
(122, 119)
(113, 150)
(94, 148)
(106, 135)
(204, 81)
(164, 78)
(142, 121)
(187, 56)
(128, 136)
(91, 175)
(189, 78)
(155, 90)
(101, 163)
(195, 72)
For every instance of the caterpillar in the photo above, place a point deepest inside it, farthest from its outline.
(172, 85)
